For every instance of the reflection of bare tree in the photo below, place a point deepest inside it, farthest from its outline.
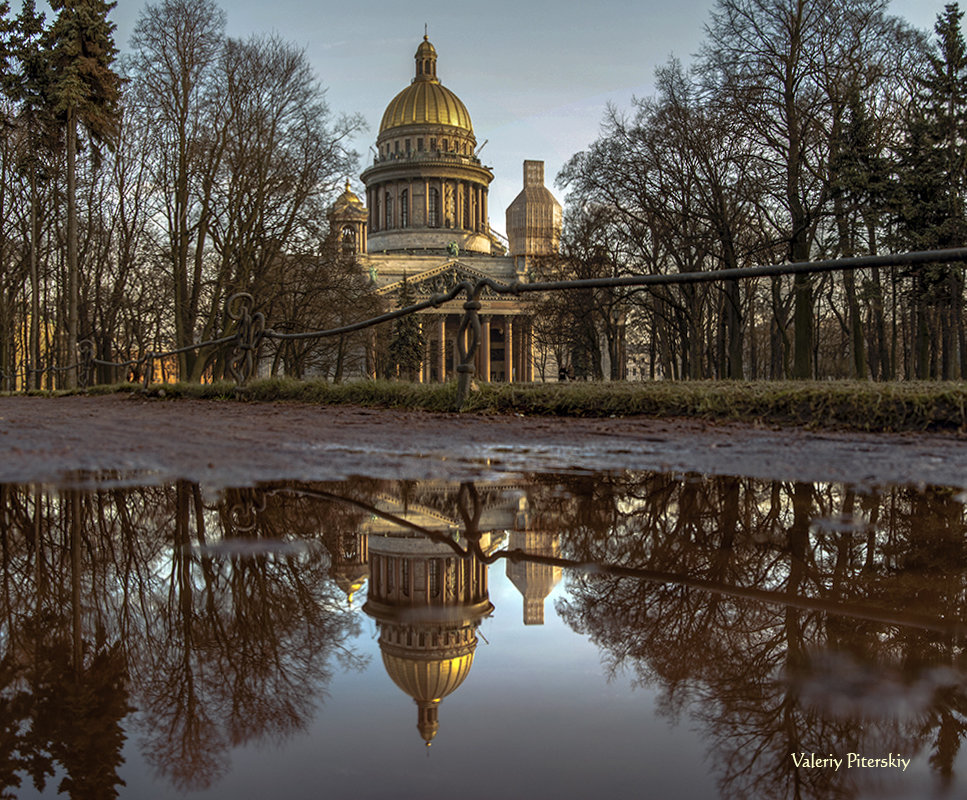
(63, 694)
(248, 634)
(757, 674)
(221, 645)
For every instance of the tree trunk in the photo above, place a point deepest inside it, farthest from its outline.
(733, 330)
(857, 344)
(34, 381)
(72, 272)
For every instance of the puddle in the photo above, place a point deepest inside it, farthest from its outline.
(564, 635)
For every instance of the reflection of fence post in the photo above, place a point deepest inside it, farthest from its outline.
(468, 351)
(243, 360)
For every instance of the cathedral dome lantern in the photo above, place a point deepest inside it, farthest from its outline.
(425, 60)
(426, 189)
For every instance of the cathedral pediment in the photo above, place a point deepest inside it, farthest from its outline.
(439, 280)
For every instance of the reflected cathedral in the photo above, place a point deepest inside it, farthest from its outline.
(427, 598)
(427, 602)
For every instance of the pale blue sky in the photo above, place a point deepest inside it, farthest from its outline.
(534, 74)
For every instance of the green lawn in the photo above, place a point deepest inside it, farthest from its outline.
(853, 405)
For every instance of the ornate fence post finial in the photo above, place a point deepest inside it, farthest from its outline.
(85, 367)
(148, 360)
(468, 350)
(243, 360)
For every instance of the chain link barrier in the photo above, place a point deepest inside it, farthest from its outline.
(251, 330)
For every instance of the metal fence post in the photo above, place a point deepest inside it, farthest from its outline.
(243, 360)
(468, 350)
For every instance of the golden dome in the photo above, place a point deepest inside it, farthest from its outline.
(348, 199)
(426, 101)
(428, 680)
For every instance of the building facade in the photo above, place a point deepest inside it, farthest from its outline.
(426, 218)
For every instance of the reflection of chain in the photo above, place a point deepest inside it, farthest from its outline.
(244, 514)
(470, 508)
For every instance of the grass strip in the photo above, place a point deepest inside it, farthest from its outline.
(848, 405)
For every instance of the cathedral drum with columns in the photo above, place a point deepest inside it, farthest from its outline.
(426, 219)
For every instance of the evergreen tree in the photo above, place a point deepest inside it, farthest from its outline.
(407, 346)
(7, 28)
(30, 87)
(929, 201)
(84, 89)
(933, 156)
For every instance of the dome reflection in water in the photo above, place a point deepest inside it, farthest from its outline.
(719, 635)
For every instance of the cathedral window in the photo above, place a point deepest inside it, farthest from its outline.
(396, 147)
(435, 577)
(408, 147)
(433, 143)
(419, 145)
(376, 219)
(433, 209)
(443, 145)
(389, 211)
(404, 209)
(405, 579)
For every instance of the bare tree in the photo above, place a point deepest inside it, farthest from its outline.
(176, 49)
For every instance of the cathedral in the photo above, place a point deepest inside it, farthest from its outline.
(426, 219)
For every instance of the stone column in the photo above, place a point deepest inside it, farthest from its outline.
(485, 349)
(509, 348)
(442, 336)
(409, 204)
(528, 352)
(420, 378)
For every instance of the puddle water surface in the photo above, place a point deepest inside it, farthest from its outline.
(562, 636)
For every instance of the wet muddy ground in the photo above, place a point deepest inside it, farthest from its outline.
(234, 443)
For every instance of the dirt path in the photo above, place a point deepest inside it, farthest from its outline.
(228, 443)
